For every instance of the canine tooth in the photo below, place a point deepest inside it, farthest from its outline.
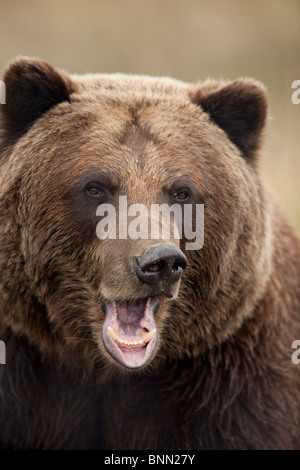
(148, 336)
(113, 334)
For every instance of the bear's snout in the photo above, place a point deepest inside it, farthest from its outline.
(162, 263)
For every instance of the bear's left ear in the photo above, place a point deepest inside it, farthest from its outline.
(32, 87)
(239, 108)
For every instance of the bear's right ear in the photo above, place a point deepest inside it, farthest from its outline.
(32, 88)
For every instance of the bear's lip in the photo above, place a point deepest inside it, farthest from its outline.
(129, 330)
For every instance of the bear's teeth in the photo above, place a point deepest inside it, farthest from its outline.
(113, 334)
(130, 343)
(146, 337)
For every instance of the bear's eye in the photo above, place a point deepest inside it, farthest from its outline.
(94, 190)
(181, 195)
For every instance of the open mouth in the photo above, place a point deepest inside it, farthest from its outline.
(129, 330)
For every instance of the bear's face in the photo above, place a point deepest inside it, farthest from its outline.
(84, 162)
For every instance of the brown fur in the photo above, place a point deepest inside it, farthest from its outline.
(222, 376)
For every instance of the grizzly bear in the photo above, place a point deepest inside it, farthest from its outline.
(120, 340)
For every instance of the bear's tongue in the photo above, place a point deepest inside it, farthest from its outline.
(129, 331)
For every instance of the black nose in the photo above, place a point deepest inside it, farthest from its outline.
(162, 262)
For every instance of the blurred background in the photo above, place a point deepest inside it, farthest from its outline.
(190, 40)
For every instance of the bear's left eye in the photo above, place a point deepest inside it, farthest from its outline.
(181, 195)
(94, 190)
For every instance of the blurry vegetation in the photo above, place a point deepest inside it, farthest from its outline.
(189, 40)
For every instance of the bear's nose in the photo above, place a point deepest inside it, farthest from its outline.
(162, 262)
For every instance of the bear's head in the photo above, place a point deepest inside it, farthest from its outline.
(94, 168)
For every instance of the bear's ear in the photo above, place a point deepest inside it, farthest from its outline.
(32, 88)
(239, 108)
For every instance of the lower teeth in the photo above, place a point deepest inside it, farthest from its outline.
(130, 343)
(146, 337)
